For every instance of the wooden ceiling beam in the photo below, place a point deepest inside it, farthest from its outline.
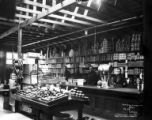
(70, 19)
(7, 23)
(40, 25)
(66, 12)
(86, 7)
(75, 12)
(55, 16)
(82, 16)
(37, 17)
(35, 24)
(7, 20)
(48, 21)
(59, 23)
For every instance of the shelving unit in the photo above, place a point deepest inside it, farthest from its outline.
(121, 50)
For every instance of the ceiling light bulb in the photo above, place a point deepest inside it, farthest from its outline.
(86, 32)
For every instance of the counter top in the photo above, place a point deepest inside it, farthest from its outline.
(123, 93)
(124, 90)
(120, 92)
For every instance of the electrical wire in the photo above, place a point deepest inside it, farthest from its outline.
(101, 25)
(89, 35)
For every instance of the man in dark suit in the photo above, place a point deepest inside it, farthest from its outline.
(92, 77)
(66, 73)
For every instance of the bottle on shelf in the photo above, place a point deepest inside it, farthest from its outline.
(139, 41)
(117, 45)
(140, 82)
(132, 42)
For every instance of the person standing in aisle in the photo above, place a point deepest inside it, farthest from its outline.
(92, 77)
(77, 74)
(67, 74)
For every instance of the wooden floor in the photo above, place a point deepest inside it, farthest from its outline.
(8, 115)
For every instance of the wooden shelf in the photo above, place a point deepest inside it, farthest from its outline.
(56, 58)
(55, 63)
(114, 52)
(135, 66)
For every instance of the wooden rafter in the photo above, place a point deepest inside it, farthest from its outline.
(66, 11)
(88, 5)
(39, 16)
(35, 24)
(16, 21)
(71, 20)
(7, 23)
(75, 12)
(55, 16)
(63, 20)
(8, 20)
(48, 21)
(82, 16)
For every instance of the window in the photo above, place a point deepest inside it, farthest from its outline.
(10, 56)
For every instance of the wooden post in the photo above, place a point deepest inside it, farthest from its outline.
(19, 50)
(19, 47)
(47, 54)
(53, 2)
(147, 50)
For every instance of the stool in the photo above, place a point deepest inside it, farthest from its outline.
(62, 116)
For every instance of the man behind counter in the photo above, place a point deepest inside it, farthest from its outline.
(67, 74)
(92, 77)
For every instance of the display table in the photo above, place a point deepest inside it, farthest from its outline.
(5, 93)
(49, 110)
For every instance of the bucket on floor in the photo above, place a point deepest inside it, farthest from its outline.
(62, 116)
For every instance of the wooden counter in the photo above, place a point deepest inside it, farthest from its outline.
(113, 103)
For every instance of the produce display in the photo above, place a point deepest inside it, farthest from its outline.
(45, 94)
(78, 94)
(51, 94)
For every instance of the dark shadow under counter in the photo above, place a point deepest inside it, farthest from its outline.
(113, 103)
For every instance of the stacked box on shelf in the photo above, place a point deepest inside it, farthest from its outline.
(115, 56)
(127, 43)
(69, 60)
(110, 57)
(118, 45)
(122, 56)
(133, 56)
(105, 46)
(103, 57)
(135, 64)
(135, 42)
(111, 45)
(59, 60)
(135, 71)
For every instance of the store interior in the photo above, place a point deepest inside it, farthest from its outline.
(75, 59)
